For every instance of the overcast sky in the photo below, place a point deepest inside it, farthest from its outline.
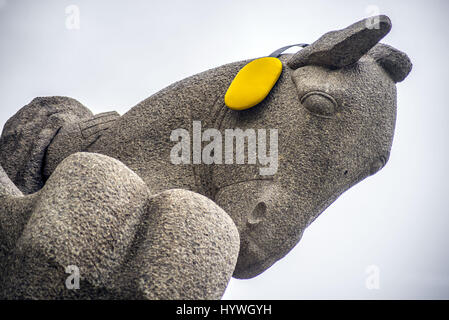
(394, 224)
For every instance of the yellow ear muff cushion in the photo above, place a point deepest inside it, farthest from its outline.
(253, 83)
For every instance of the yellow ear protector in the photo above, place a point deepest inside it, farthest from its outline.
(255, 80)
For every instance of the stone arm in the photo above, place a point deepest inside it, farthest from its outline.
(96, 214)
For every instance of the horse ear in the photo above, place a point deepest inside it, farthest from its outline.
(340, 48)
(396, 63)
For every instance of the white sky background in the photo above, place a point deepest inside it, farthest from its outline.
(125, 51)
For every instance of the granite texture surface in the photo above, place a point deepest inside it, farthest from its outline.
(100, 192)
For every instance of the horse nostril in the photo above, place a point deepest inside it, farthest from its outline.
(376, 165)
(258, 214)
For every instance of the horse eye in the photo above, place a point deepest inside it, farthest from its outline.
(319, 103)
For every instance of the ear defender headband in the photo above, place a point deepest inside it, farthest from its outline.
(255, 80)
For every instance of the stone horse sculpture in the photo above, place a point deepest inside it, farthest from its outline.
(99, 194)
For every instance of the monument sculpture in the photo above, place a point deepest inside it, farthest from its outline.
(101, 194)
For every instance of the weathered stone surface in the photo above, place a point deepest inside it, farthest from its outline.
(28, 133)
(7, 187)
(395, 62)
(343, 47)
(97, 214)
(140, 226)
(192, 255)
(76, 136)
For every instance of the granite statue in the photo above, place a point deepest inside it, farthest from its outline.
(100, 195)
